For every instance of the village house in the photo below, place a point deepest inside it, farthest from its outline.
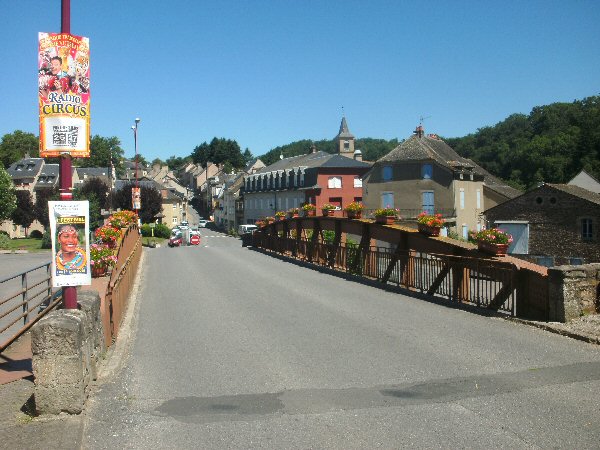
(425, 174)
(552, 224)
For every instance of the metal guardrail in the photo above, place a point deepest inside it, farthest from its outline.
(475, 281)
(27, 304)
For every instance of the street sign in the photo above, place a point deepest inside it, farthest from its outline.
(195, 239)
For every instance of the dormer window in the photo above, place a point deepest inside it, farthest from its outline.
(426, 171)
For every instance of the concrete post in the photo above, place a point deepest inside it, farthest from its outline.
(573, 291)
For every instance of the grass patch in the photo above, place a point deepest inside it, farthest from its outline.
(29, 244)
(148, 241)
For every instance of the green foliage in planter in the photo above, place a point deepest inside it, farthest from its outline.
(328, 236)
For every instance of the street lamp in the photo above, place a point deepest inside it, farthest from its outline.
(134, 128)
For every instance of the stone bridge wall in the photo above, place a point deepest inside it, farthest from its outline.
(573, 291)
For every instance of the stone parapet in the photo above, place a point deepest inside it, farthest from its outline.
(573, 291)
(66, 345)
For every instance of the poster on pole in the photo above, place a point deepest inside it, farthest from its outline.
(64, 94)
(136, 198)
(69, 228)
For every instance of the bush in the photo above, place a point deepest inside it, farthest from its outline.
(4, 233)
(4, 241)
(160, 231)
(46, 240)
(36, 234)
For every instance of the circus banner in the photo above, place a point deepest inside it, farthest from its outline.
(64, 95)
(69, 228)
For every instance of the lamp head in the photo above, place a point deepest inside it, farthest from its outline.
(137, 120)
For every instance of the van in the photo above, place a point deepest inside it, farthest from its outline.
(245, 229)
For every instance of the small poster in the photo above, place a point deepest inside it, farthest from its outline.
(64, 94)
(69, 228)
(136, 198)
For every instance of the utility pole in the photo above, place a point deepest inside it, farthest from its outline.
(69, 293)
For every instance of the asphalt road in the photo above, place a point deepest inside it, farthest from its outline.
(235, 349)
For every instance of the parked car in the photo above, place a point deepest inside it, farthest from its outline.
(245, 232)
(202, 223)
(176, 240)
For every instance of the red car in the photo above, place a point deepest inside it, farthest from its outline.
(176, 240)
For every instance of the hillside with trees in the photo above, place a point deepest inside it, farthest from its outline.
(551, 144)
(372, 149)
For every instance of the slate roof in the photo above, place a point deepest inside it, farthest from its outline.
(92, 172)
(48, 176)
(577, 192)
(25, 168)
(424, 148)
(317, 159)
(344, 131)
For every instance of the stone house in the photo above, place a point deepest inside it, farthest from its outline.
(553, 224)
(586, 181)
(425, 174)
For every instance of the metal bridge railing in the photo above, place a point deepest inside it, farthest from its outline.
(24, 299)
(480, 282)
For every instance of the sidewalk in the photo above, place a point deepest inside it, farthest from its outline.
(18, 428)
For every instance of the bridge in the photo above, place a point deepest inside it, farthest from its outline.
(234, 348)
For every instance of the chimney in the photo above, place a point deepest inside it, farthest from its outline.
(419, 131)
(358, 155)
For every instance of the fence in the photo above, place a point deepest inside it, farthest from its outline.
(480, 282)
(122, 279)
(32, 297)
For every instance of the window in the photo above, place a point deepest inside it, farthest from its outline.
(387, 173)
(174, 205)
(586, 229)
(478, 199)
(174, 220)
(426, 171)
(387, 199)
(334, 183)
(462, 198)
(428, 202)
(346, 145)
(465, 232)
(357, 182)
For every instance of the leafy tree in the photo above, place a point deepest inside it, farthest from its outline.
(24, 214)
(40, 210)
(103, 151)
(158, 161)
(8, 198)
(177, 162)
(96, 192)
(219, 151)
(247, 155)
(14, 146)
(151, 200)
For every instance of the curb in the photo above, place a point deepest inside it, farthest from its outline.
(557, 330)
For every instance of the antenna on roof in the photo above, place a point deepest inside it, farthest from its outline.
(421, 119)
(343, 111)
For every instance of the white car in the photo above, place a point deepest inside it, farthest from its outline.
(202, 223)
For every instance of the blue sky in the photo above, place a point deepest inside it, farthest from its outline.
(267, 73)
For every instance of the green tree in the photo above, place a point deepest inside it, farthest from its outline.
(219, 151)
(8, 198)
(24, 214)
(96, 192)
(42, 197)
(103, 151)
(247, 155)
(14, 146)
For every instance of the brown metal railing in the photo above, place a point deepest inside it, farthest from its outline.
(122, 279)
(27, 304)
(480, 282)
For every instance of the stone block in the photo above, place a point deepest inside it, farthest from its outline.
(58, 333)
(67, 398)
(58, 370)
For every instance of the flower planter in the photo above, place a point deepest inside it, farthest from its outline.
(492, 249)
(429, 230)
(111, 244)
(328, 212)
(98, 272)
(354, 214)
(309, 213)
(386, 220)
